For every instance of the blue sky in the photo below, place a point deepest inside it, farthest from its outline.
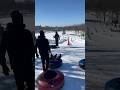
(59, 12)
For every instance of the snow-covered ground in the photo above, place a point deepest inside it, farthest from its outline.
(71, 54)
(101, 36)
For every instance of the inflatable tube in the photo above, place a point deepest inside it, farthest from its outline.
(53, 46)
(50, 80)
(82, 63)
(55, 63)
(113, 84)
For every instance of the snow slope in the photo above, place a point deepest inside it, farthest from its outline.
(71, 54)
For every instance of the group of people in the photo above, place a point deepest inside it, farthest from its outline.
(19, 44)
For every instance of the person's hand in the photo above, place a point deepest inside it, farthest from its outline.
(37, 55)
(6, 70)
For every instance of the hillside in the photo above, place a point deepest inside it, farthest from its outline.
(72, 27)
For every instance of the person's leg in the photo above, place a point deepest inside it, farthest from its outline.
(30, 78)
(57, 42)
(47, 62)
(43, 62)
(19, 80)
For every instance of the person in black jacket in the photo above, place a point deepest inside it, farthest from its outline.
(44, 50)
(57, 38)
(18, 42)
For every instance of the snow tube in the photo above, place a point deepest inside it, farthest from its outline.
(50, 80)
(55, 63)
(82, 63)
(53, 46)
(113, 84)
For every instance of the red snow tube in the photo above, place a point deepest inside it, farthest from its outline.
(50, 80)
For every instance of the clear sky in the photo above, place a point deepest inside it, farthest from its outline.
(59, 12)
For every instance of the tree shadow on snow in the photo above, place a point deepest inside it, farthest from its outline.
(73, 84)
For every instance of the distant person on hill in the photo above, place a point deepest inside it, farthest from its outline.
(57, 38)
(18, 42)
(44, 50)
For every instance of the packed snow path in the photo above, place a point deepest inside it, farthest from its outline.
(74, 75)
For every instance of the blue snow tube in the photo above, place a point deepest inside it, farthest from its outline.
(55, 63)
(82, 63)
(53, 46)
(113, 84)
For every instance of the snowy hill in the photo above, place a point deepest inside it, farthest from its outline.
(71, 54)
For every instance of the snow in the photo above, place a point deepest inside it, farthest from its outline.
(71, 54)
(100, 36)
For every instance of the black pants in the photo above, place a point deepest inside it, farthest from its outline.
(24, 78)
(56, 41)
(45, 61)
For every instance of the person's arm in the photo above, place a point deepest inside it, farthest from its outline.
(59, 37)
(30, 44)
(48, 46)
(36, 46)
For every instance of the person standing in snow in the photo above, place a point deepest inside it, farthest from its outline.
(44, 50)
(57, 38)
(18, 42)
